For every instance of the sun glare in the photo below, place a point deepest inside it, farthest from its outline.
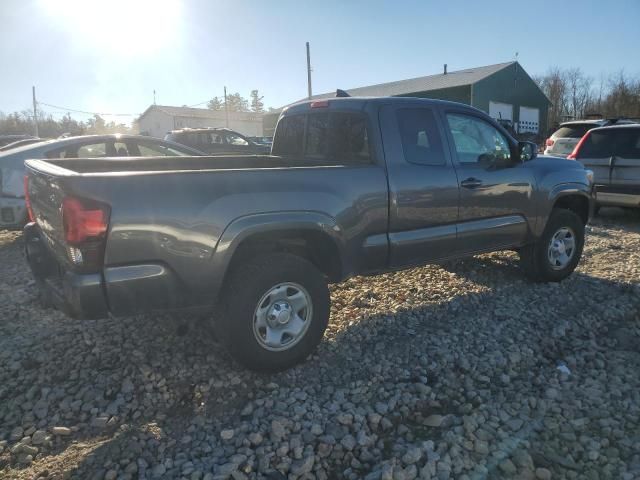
(123, 27)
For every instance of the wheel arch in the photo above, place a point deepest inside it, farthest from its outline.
(573, 197)
(311, 235)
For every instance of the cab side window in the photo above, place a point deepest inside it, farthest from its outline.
(93, 150)
(477, 141)
(421, 142)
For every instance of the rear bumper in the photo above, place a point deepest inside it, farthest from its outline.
(119, 291)
(79, 295)
(13, 212)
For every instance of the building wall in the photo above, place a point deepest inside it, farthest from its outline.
(155, 123)
(460, 94)
(250, 127)
(269, 121)
(511, 85)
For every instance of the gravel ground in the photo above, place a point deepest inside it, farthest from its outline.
(464, 371)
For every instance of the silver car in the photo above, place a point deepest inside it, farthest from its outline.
(562, 142)
(613, 154)
(13, 211)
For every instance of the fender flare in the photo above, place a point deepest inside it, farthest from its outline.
(247, 226)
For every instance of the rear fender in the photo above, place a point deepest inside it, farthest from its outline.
(266, 223)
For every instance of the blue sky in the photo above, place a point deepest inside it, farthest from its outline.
(109, 56)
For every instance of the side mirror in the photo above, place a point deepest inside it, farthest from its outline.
(528, 151)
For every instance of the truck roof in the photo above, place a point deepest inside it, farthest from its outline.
(354, 103)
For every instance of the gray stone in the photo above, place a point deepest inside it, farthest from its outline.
(127, 386)
(158, 471)
(38, 437)
(303, 466)
(348, 442)
(543, 474)
(433, 420)
(508, 467)
(412, 456)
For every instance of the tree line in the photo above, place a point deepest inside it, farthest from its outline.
(49, 127)
(575, 95)
(237, 103)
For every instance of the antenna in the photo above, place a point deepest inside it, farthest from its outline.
(309, 71)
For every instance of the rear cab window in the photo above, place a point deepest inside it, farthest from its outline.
(326, 137)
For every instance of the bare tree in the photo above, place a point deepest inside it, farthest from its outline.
(579, 91)
(554, 85)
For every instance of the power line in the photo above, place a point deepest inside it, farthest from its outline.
(198, 104)
(102, 114)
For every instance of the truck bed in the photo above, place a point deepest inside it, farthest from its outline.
(132, 165)
(171, 214)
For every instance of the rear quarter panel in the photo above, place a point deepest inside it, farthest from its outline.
(178, 218)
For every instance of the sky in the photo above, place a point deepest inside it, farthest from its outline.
(109, 56)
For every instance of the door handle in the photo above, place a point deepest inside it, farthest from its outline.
(471, 183)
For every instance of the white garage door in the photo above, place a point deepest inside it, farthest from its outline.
(529, 120)
(502, 111)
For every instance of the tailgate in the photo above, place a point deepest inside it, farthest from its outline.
(564, 146)
(45, 193)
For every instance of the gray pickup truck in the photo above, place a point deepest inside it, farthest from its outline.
(353, 186)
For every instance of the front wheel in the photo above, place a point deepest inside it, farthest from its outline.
(276, 309)
(555, 255)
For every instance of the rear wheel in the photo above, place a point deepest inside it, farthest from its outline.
(557, 252)
(276, 310)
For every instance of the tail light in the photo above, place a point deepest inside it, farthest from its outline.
(27, 199)
(84, 220)
(550, 142)
(85, 223)
(574, 155)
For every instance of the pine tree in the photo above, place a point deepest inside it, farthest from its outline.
(215, 104)
(257, 105)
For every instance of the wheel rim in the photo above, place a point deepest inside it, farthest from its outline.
(282, 317)
(562, 248)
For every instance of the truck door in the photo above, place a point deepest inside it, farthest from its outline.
(496, 190)
(423, 187)
(625, 178)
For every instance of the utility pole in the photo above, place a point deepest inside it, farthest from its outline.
(35, 112)
(226, 107)
(308, 70)
(154, 96)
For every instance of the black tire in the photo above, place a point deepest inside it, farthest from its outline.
(534, 258)
(246, 286)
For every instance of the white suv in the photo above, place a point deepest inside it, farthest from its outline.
(565, 139)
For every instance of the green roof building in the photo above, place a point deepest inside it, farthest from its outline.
(505, 91)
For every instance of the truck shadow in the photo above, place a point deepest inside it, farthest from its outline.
(500, 321)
